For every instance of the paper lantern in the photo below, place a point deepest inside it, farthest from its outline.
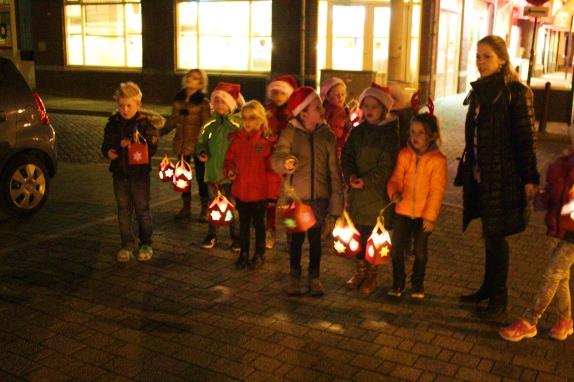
(568, 208)
(182, 176)
(378, 250)
(166, 170)
(221, 210)
(346, 238)
(297, 216)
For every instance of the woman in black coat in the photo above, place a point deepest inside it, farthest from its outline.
(498, 171)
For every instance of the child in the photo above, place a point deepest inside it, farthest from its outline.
(337, 114)
(368, 158)
(278, 92)
(131, 182)
(212, 145)
(189, 112)
(555, 281)
(307, 151)
(247, 165)
(417, 186)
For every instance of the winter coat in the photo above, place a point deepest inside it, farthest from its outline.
(501, 117)
(421, 181)
(317, 174)
(559, 181)
(187, 117)
(147, 124)
(248, 157)
(277, 117)
(214, 140)
(370, 154)
(339, 121)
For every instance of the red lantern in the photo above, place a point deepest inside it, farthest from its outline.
(378, 251)
(297, 216)
(568, 208)
(182, 176)
(347, 239)
(220, 210)
(166, 170)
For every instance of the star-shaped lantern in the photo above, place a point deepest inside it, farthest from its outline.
(166, 170)
(182, 176)
(297, 216)
(379, 245)
(347, 239)
(568, 208)
(221, 210)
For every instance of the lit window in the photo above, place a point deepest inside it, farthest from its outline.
(104, 33)
(224, 35)
(348, 38)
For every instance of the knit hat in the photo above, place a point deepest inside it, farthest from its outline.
(300, 99)
(286, 83)
(229, 93)
(380, 93)
(330, 84)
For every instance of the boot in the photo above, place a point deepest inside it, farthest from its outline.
(480, 295)
(256, 261)
(185, 212)
(496, 306)
(358, 278)
(295, 287)
(316, 288)
(370, 283)
(203, 218)
(241, 261)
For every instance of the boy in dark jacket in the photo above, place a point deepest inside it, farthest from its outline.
(131, 181)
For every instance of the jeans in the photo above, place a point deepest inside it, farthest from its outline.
(226, 191)
(406, 229)
(365, 231)
(319, 207)
(555, 281)
(132, 195)
(252, 212)
(271, 214)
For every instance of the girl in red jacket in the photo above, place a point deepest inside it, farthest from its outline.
(558, 199)
(247, 165)
(337, 113)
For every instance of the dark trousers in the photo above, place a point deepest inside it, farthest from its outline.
(495, 265)
(199, 167)
(365, 231)
(226, 191)
(320, 207)
(252, 213)
(406, 229)
(132, 195)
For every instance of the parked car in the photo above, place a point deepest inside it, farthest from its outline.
(28, 158)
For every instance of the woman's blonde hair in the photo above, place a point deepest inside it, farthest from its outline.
(203, 75)
(128, 90)
(257, 108)
(499, 46)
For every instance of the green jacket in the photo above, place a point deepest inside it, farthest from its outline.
(370, 154)
(213, 140)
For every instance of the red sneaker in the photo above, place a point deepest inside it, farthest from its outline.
(561, 329)
(518, 330)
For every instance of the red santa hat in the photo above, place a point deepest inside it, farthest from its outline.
(330, 84)
(300, 99)
(286, 83)
(380, 93)
(229, 93)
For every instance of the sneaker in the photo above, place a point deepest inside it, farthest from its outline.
(269, 239)
(295, 287)
(418, 293)
(124, 255)
(209, 241)
(561, 329)
(145, 253)
(518, 330)
(236, 245)
(316, 287)
(396, 292)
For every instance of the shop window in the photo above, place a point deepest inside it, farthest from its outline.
(103, 33)
(224, 35)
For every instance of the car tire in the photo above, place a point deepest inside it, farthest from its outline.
(24, 186)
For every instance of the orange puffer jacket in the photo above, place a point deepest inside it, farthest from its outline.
(421, 180)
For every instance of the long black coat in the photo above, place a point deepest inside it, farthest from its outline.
(501, 119)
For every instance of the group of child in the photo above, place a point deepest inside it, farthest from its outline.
(306, 141)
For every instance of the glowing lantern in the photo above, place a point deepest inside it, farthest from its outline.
(220, 210)
(379, 245)
(297, 216)
(568, 208)
(347, 240)
(166, 170)
(182, 176)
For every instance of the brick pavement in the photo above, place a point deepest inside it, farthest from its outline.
(68, 311)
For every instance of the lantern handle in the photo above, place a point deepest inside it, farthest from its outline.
(138, 137)
(183, 162)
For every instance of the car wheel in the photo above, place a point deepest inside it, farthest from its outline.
(24, 186)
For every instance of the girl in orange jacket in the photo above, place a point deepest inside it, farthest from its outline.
(417, 186)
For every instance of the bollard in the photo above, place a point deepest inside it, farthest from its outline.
(545, 104)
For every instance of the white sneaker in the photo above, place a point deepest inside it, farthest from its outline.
(124, 255)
